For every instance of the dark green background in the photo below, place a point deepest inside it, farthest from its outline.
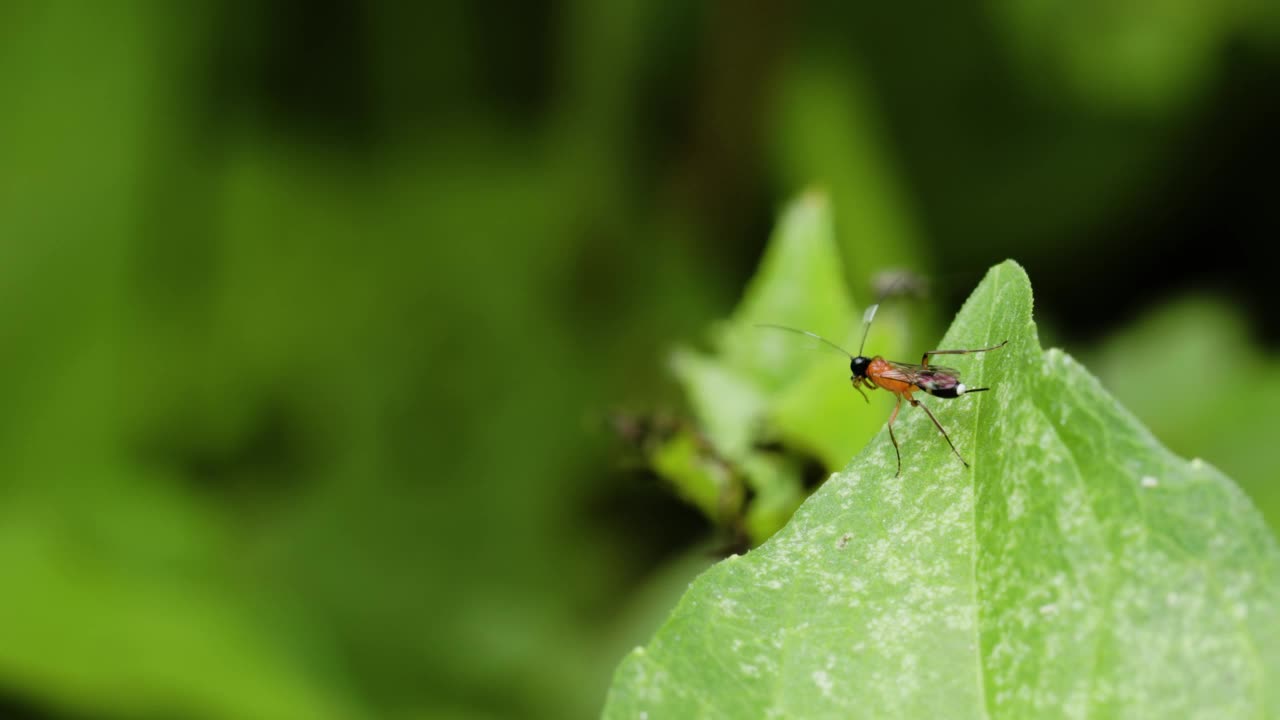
(313, 314)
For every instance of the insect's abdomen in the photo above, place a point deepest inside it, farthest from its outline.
(940, 385)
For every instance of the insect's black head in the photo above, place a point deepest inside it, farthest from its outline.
(859, 366)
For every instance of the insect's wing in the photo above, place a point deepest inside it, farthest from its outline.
(914, 369)
(926, 378)
(904, 372)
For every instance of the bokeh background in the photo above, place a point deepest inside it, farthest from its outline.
(313, 314)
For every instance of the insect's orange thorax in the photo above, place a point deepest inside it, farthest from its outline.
(876, 371)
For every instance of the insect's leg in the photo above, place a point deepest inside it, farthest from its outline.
(896, 451)
(924, 359)
(858, 386)
(938, 425)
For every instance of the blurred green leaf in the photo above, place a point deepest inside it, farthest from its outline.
(728, 406)
(92, 626)
(766, 385)
(1134, 56)
(776, 481)
(1078, 567)
(701, 480)
(1181, 369)
(830, 128)
(800, 284)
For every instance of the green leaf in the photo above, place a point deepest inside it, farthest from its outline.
(701, 481)
(799, 284)
(1178, 341)
(763, 384)
(1077, 569)
(728, 406)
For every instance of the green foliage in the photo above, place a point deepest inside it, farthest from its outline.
(1078, 568)
(764, 387)
(300, 351)
(1145, 56)
(1190, 371)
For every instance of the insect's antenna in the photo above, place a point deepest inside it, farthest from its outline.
(866, 325)
(815, 336)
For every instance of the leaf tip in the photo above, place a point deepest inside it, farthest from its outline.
(1013, 266)
(807, 212)
(814, 196)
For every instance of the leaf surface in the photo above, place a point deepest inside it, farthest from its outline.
(1077, 569)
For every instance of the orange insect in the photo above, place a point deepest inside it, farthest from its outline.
(903, 379)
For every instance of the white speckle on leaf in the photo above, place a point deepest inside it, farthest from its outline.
(1149, 481)
(1017, 504)
(1049, 609)
(823, 681)
(892, 491)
